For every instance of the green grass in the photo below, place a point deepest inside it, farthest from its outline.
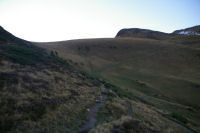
(23, 54)
(120, 92)
(29, 55)
(161, 73)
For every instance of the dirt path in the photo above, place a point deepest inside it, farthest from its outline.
(130, 109)
(92, 114)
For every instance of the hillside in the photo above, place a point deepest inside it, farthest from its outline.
(189, 31)
(142, 33)
(191, 40)
(39, 91)
(157, 70)
(145, 33)
(122, 84)
(7, 37)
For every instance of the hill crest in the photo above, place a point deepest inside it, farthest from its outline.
(151, 34)
(189, 31)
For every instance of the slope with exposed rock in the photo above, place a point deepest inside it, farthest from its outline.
(189, 31)
(141, 33)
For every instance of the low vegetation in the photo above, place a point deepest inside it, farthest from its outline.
(121, 114)
(153, 84)
(161, 73)
(41, 92)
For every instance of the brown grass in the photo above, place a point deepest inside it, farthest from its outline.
(165, 69)
(35, 100)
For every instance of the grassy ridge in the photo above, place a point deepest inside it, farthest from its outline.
(163, 73)
(138, 59)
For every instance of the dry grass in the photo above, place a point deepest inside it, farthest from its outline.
(167, 69)
(153, 83)
(125, 115)
(41, 100)
(176, 67)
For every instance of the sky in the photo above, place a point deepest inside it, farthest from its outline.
(56, 20)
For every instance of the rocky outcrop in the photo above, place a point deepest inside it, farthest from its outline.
(189, 31)
(141, 33)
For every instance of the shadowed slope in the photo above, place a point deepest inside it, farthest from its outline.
(40, 92)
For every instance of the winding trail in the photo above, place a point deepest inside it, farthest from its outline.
(92, 113)
(130, 109)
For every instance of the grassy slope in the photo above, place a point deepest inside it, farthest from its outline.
(163, 73)
(40, 92)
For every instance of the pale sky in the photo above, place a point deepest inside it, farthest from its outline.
(55, 20)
